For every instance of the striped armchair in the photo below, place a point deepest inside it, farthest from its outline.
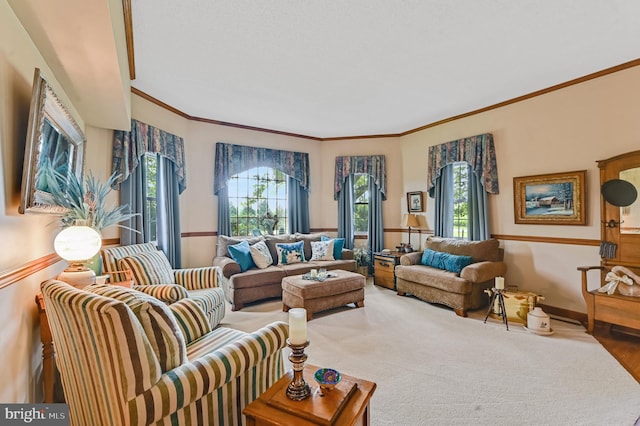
(152, 274)
(126, 358)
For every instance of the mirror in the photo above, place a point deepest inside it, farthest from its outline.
(630, 214)
(54, 140)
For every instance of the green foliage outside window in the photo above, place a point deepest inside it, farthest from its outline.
(460, 200)
(361, 203)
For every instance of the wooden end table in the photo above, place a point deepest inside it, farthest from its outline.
(347, 404)
(384, 268)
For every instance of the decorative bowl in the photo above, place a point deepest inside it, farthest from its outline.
(327, 378)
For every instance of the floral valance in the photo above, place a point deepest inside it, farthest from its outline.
(373, 165)
(233, 159)
(129, 147)
(478, 151)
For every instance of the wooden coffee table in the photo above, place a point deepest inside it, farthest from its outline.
(347, 404)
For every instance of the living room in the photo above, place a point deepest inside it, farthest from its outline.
(561, 130)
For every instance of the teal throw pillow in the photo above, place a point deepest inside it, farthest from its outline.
(448, 262)
(290, 252)
(241, 253)
(338, 245)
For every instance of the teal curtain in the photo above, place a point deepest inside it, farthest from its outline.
(373, 165)
(232, 159)
(478, 224)
(130, 146)
(345, 212)
(298, 207)
(133, 192)
(443, 194)
(376, 227)
(168, 229)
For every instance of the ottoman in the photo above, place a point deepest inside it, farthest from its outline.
(342, 288)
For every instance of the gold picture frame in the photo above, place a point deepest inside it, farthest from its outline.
(550, 199)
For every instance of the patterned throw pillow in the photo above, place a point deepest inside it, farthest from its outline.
(148, 268)
(261, 255)
(338, 245)
(290, 252)
(158, 323)
(322, 250)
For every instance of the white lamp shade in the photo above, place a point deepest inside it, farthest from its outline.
(77, 243)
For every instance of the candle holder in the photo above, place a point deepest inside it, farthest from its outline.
(298, 389)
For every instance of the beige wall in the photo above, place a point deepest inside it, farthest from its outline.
(563, 131)
(25, 238)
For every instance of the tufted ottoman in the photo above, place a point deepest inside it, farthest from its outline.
(342, 288)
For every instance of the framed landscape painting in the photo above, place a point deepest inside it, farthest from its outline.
(551, 199)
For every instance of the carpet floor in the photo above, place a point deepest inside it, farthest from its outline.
(435, 368)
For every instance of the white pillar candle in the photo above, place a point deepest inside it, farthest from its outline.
(500, 283)
(298, 326)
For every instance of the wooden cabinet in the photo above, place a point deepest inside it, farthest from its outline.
(384, 269)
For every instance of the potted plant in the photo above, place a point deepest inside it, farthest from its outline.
(363, 260)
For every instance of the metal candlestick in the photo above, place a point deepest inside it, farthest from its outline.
(298, 389)
(497, 295)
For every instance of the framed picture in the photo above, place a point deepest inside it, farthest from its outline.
(414, 201)
(551, 199)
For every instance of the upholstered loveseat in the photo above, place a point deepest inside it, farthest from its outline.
(244, 284)
(461, 287)
(126, 358)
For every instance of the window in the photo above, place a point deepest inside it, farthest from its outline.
(361, 203)
(460, 200)
(151, 210)
(258, 202)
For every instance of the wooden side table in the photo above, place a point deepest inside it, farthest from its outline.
(347, 404)
(384, 268)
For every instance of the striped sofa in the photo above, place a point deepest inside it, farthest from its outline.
(152, 274)
(126, 358)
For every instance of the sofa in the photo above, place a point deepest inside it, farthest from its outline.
(153, 275)
(243, 285)
(451, 272)
(126, 358)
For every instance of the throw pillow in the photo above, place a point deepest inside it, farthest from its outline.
(148, 268)
(322, 250)
(261, 255)
(191, 319)
(156, 319)
(290, 252)
(338, 245)
(447, 261)
(241, 253)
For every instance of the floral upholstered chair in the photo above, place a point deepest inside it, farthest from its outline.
(152, 274)
(125, 358)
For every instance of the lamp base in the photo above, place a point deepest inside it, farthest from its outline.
(78, 276)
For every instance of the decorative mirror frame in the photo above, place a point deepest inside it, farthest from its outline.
(45, 105)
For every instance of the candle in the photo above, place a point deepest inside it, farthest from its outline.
(298, 326)
(500, 283)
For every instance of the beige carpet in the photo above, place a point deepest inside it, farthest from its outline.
(435, 368)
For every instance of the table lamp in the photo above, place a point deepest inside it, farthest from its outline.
(77, 244)
(410, 220)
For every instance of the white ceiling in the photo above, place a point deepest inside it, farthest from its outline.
(362, 67)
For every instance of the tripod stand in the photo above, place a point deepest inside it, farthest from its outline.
(496, 294)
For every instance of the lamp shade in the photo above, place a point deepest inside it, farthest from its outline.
(410, 220)
(77, 243)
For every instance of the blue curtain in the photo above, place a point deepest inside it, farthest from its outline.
(224, 220)
(298, 207)
(133, 192)
(478, 224)
(376, 228)
(168, 228)
(345, 212)
(442, 191)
